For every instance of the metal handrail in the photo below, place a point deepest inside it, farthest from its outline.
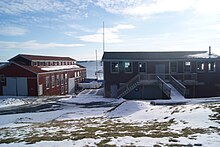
(164, 86)
(179, 86)
(131, 82)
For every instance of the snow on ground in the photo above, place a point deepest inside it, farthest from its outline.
(124, 123)
(8, 102)
(89, 96)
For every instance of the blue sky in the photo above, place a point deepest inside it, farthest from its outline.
(74, 27)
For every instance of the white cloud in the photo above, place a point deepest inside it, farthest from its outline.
(70, 33)
(146, 8)
(207, 7)
(12, 31)
(159, 6)
(143, 8)
(111, 34)
(33, 44)
(68, 9)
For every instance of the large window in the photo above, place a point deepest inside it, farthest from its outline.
(211, 66)
(65, 88)
(62, 79)
(58, 80)
(128, 66)
(53, 81)
(114, 67)
(187, 66)
(47, 82)
(66, 78)
(200, 66)
(173, 67)
(142, 67)
(62, 89)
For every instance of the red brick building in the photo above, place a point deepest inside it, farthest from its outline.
(33, 75)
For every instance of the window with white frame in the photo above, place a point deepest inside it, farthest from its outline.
(58, 80)
(200, 66)
(53, 81)
(173, 67)
(47, 82)
(62, 79)
(62, 89)
(66, 88)
(66, 78)
(114, 67)
(211, 66)
(128, 66)
(142, 67)
(187, 66)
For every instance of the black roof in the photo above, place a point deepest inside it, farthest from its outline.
(151, 55)
(40, 57)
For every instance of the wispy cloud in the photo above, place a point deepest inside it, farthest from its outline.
(34, 45)
(144, 9)
(68, 9)
(111, 34)
(141, 8)
(12, 31)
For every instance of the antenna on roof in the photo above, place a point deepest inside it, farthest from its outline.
(210, 50)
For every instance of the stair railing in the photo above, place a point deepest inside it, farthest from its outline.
(179, 86)
(164, 86)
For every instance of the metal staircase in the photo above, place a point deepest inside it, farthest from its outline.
(164, 86)
(129, 86)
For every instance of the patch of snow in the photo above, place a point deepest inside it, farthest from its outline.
(204, 55)
(11, 102)
(140, 141)
(50, 68)
(89, 96)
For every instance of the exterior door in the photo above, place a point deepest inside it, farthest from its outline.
(114, 90)
(71, 84)
(160, 70)
(15, 87)
(40, 89)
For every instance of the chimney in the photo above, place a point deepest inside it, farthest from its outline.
(210, 52)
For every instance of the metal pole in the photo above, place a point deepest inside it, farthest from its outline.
(103, 39)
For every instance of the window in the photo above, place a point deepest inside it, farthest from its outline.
(114, 67)
(128, 67)
(200, 66)
(2, 78)
(65, 88)
(187, 67)
(62, 90)
(53, 81)
(211, 66)
(65, 78)
(58, 80)
(62, 79)
(142, 67)
(47, 82)
(173, 67)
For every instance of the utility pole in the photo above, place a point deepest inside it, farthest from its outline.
(103, 37)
